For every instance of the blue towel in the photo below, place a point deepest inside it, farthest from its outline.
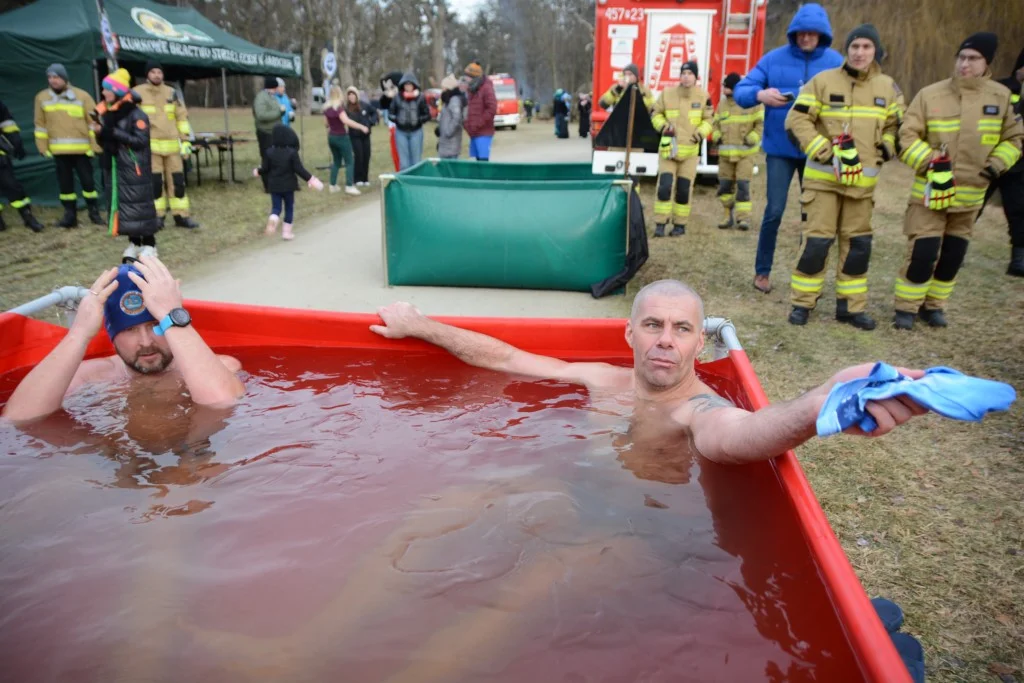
(942, 390)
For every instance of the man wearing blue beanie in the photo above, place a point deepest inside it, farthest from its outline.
(139, 305)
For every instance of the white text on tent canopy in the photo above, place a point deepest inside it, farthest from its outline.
(160, 46)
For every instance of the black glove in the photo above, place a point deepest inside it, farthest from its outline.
(437, 131)
(990, 174)
(884, 151)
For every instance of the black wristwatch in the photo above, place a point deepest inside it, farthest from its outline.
(178, 317)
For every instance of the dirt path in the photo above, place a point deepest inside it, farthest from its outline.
(335, 264)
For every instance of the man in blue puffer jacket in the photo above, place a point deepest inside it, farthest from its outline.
(775, 82)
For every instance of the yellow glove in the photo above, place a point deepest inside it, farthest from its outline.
(846, 161)
(186, 148)
(665, 147)
(716, 136)
(941, 186)
(752, 139)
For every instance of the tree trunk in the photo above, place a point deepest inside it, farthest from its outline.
(437, 38)
(348, 23)
(307, 76)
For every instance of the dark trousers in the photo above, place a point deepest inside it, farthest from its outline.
(70, 165)
(143, 240)
(263, 140)
(285, 198)
(1011, 187)
(361, 149)
(9, 185)
(780, 175)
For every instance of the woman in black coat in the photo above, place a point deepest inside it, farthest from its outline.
(122, 129)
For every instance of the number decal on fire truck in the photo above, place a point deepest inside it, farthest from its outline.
(633, 14)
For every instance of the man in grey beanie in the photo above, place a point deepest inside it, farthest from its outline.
(63, 133)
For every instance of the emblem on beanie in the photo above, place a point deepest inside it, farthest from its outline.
(131, 302)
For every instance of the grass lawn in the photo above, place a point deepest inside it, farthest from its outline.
(232, 215)
(931, 516)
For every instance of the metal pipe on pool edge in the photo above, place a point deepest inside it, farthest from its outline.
(723, 333)
(67, 295)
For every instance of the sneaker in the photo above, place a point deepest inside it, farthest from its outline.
(351, 189)
(333, 188)
(762, 283)
(934, 318)
(363, 184)
(132, 251)
(799, 315)
(148, 251)
(271, 224)
(903, 320)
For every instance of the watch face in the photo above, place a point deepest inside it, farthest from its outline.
(180, 317)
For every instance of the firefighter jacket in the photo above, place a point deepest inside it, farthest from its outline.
(689, 113)
(973, 119)
(613, 94)
(10, 135)
(737, 130)
(62, 122)
(863, 103)
(168, 118)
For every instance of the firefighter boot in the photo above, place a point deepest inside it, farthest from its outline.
(799, 315)
(903, 320)
(659, 230)
(184, 222)
(1016, 262)
(862, 321)
(70, 217)
(94, 212)
(677, 231)
(29, 220)
(727, 221)
(934, 317)
(743, 224)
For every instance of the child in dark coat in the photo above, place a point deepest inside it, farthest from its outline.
(280, 166)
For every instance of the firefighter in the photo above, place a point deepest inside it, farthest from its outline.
(170, 135)
(738, 133)
(959, 135)
(11, 146)
(683, 115)
(630, 75)
(845, 120)
(62, 132)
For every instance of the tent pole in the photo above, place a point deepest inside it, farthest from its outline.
(301, 108)
(96, 81)
(224, 90)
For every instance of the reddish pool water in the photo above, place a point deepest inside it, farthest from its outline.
(365, 516)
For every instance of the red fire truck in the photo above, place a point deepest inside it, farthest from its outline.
(658, 36)
(507, 94)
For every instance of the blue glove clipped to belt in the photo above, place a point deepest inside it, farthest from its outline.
(942, 390)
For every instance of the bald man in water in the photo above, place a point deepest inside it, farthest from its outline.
(666, 332)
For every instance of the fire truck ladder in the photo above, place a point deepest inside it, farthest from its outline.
(738, 30)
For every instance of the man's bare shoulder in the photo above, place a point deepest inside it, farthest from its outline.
(108, 369)
(703, 399)
(604, 376)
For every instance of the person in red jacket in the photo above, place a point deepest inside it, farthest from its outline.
(483, 105)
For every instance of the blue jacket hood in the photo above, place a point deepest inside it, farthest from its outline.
(811, 17)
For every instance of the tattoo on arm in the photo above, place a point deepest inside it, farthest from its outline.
(705, 402)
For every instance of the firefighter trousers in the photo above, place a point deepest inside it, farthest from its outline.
(830, 216)
(169, 185)
(936, 246)
(734, 185)
(1011, 187)
(10, 187)
(675, 188)
(68, 166)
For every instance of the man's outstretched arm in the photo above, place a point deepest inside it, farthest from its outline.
(731, 435)
(42, 390)
(405, 320)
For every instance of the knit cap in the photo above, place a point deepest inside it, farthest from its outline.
(690, 66)
(731, 81)
(871, 33)
(57, 69)
(985, 43)
(125, 307)
(119, 82)
(474, 70)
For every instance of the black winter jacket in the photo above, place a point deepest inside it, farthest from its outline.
(282, 163)
(409, 115)
(365, 115)
(125, 142)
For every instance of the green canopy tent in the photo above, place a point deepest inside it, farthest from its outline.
(187, 44)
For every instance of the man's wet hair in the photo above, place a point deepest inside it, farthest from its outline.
(665, 288)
